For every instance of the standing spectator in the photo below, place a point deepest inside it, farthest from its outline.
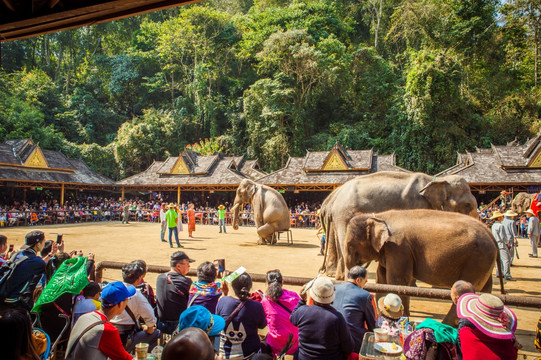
(278, 305)
(356, 305)
(93, 337)
(205, 291)
(533, 231)
(489, 332)
(321, 231)
(221, 217)
(28, 273)
(510, 229)
(503, 244)
(191, 220)
(172, 289)
(137, 308)
(323, 331)
(125, 213)
(171, 217)
(244, 316)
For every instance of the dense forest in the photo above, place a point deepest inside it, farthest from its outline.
(274, 78)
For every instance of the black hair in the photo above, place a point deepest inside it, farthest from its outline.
(91, 289)
(357, 272)
(242, 285)
(16, 335)
(47, 247)
(142, 263)
(131, 272)
(3, 239)
(206, 272)
(274, 280)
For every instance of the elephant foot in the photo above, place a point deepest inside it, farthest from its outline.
(261, 242)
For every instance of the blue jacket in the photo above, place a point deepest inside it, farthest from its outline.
(24, 279)
(355, 304)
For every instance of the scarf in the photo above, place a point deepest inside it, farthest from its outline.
(206, 289)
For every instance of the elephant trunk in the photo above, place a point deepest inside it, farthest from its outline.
(235, 209)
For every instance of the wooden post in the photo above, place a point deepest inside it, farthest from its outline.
(122, 196)
(24, 194)
(62, 194)
(178, 194)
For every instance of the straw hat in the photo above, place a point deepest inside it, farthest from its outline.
(496, 215)
(322, 291)
(510, 213)
(171, 205)
(221, 207)
(391, 306)
(530, 211)
(488, 314)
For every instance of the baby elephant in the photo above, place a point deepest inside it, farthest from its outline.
(432, 246)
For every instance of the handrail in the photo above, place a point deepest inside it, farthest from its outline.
(428, 293)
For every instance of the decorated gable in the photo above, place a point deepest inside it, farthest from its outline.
(36, 159)
(335, 162)
(180, 167)
(537, 161)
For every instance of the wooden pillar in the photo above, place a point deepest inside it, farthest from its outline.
(62, 194)
(178, 194)
(122, 196)
(24, 194)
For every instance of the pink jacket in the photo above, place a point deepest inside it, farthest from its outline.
(278, 323)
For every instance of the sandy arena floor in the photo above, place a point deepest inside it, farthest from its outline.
(114, 241)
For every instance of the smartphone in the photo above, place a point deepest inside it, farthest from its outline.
(11, 247)
(59, 239)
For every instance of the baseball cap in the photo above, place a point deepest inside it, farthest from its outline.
(116, 292)
(198, 316)
(32, 238)
(180, 255)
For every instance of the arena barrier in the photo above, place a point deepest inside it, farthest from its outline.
(427, 293)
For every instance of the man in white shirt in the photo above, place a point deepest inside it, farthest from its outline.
(163, 221)
(127, 323)
(500, 235)
(533, 231)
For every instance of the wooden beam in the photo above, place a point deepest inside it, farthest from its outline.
(178, 194)
(62, 195)
(122, 196)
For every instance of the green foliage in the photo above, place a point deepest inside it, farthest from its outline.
(206, 147)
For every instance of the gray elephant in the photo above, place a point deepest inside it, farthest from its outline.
(427, 245)
(383, 191)
(271, 213)
(522, 202)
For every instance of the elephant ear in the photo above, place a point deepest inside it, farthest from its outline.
(378, 233)
(437, 193)
(251, 189)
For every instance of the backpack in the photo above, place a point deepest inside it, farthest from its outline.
(421, 345)
(6, 275)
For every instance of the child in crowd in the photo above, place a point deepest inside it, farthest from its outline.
(391, 310)
(88, 302)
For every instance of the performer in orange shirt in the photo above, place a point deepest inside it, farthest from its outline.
(191, 220)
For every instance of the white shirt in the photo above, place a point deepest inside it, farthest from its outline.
(140, 307)
(162, 215)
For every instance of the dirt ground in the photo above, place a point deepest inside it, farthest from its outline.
(114, 241)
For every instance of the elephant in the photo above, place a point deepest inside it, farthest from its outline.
(522, 202)
(383, 191)
(271, 213)
(427, 245)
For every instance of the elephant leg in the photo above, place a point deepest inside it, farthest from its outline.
(265, 232)
(381, 278)
(329, 262)
(451, 318)
(340, 275)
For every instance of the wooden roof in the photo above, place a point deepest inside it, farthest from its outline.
(22, 19)
(23, 161)
(216, 169)
(512, 164)
(316, 168)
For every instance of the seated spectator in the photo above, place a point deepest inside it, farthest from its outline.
(102, 340)
(16, 335)
(145, 288)
(356, 305)
(190, 344)
(538, 336)
(205, 291)
(489, 332)
(88, 303)
(172, 291)
(391, 309)
(3, 249)
(243, 317)
(278, 305)
(198, 316)
(138, 307)
(323, 331)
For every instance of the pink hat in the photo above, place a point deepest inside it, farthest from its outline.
(488, 314)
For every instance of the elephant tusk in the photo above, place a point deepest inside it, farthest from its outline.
(234, 207)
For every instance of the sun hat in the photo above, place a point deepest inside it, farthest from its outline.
(530, 211)
(510, 213)
(116, 292)
(32, 238)
(181, 255)
(221, 207)
(322, 290)
(496, 215)
(198, 316)
(488, 314)
(391, 306)
(171, 205)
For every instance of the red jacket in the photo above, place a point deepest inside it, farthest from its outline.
(476, 346)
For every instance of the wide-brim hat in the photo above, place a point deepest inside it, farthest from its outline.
(510, 213)
(391, 306)
(221, 207)
(488, 313)
(322, 290)
(198, 316)
(171, 205)
(496, 215)
(530, 211)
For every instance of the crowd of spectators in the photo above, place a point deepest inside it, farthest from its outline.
(219, 316)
